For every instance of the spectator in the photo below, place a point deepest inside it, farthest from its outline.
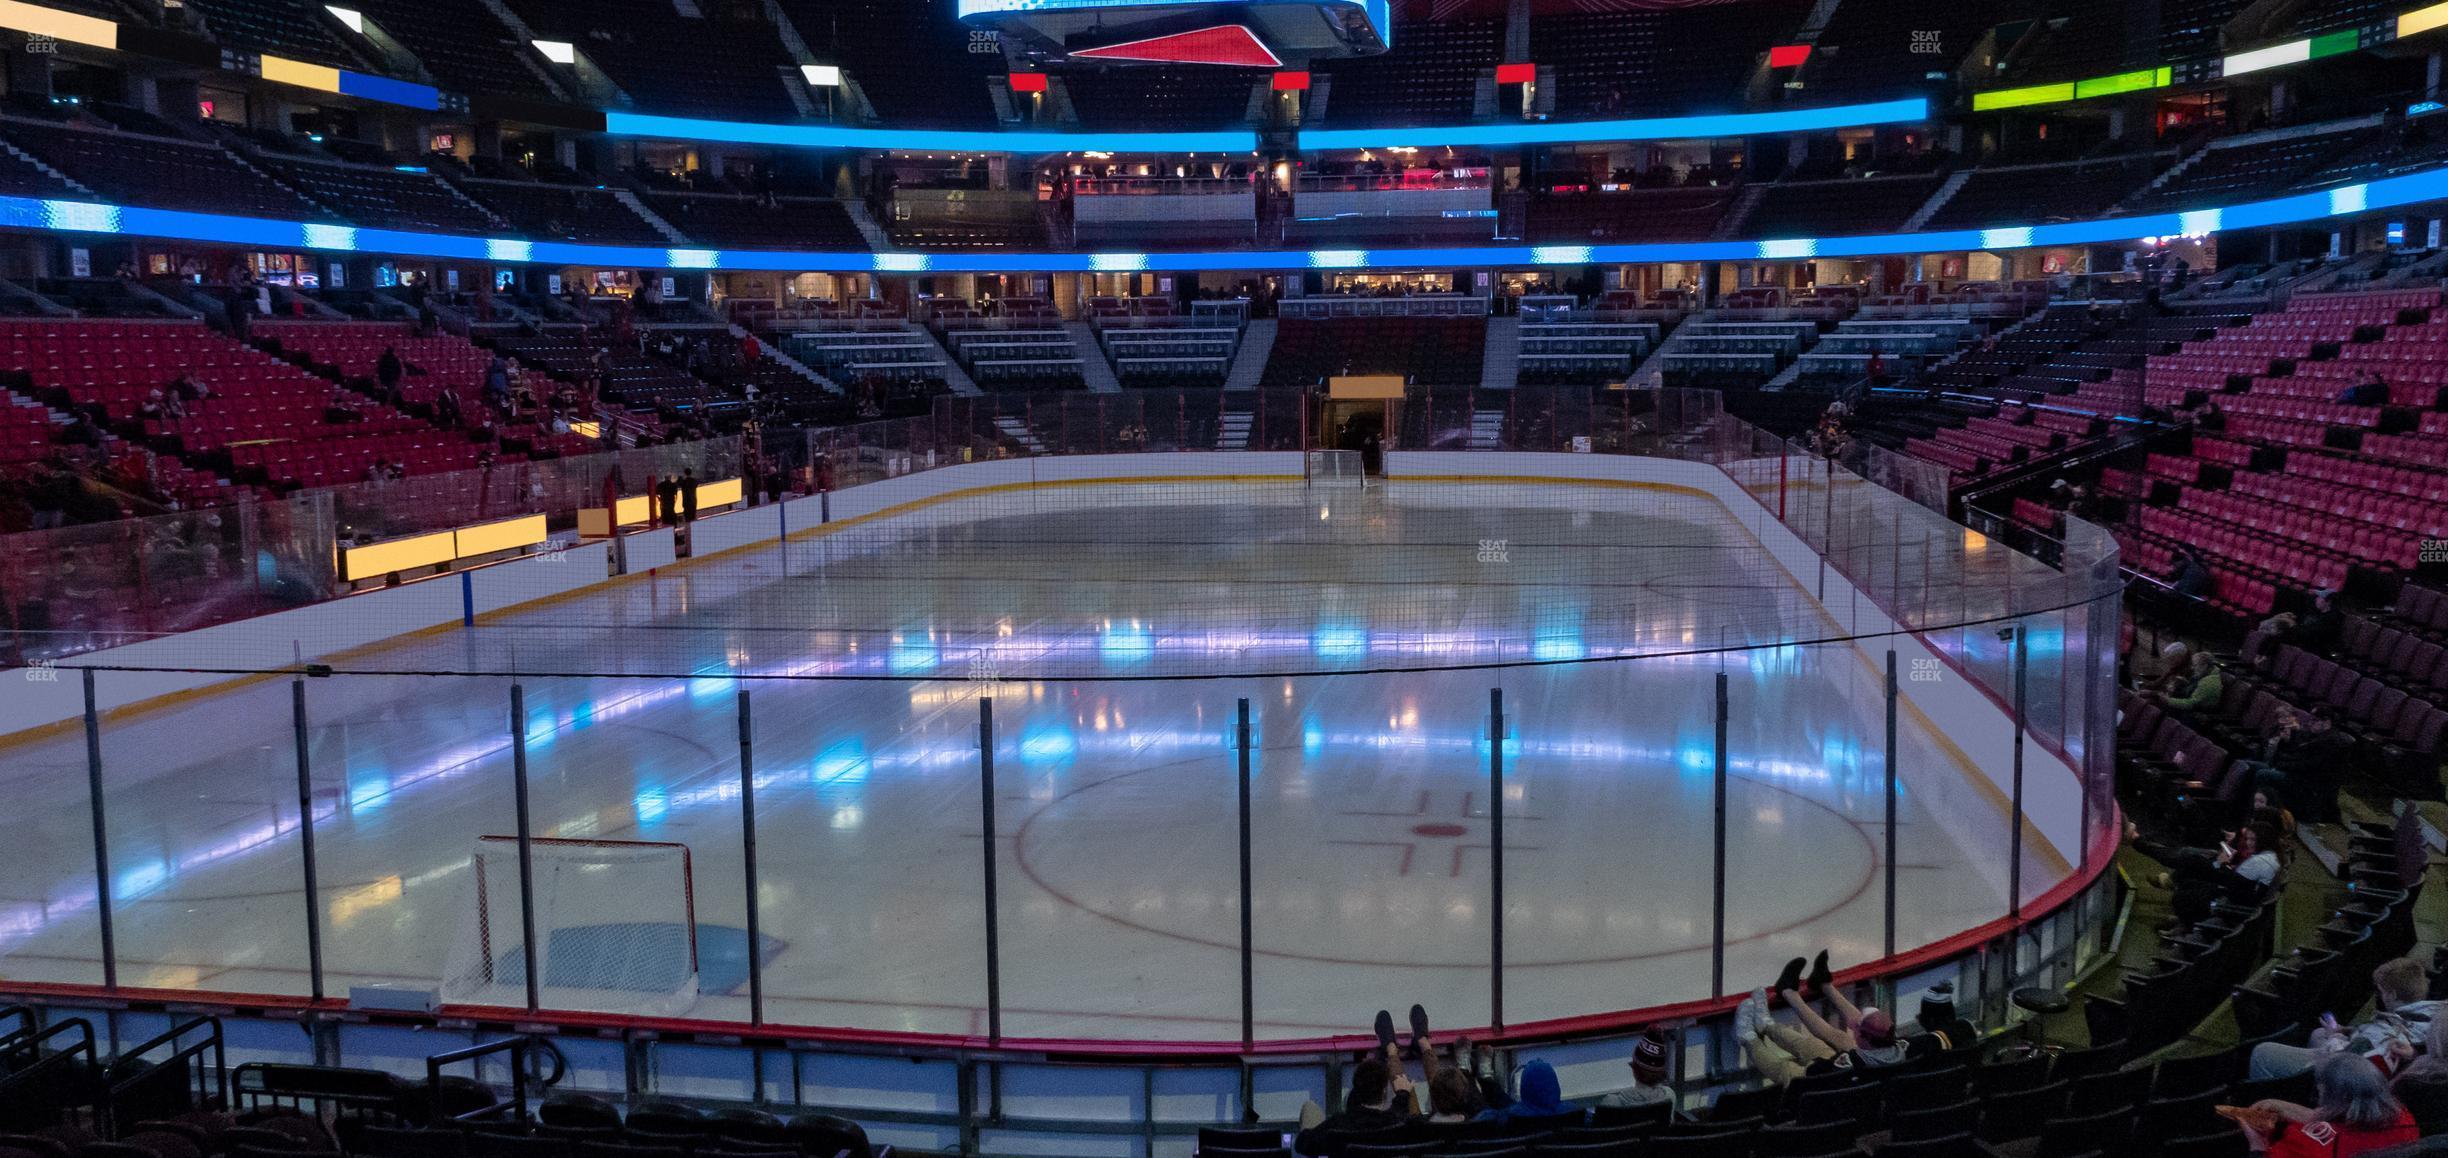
(1648, 1075)
(688, 494)
(1858, 1038)
(1379, 1100)
(387, 371)
(1453, 1096)
(1939, 1027)
(2240, 870)
(2402, 1023)
(2371, 391)
(2202, 691)
(2421, 1084)
(2191, 579)
(497, 382)
(2300, 759)
(750, 350)
(2320, 631)
(2357, 1115)
(667, 499)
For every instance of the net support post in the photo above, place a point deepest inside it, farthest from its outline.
(306, 838)
(101, 836)
(1496, 869)
(1717, 841)
(1249, 979)
(986, 819)
(2014, 864)
(526, 847)
(1891, 803)
(748, 861)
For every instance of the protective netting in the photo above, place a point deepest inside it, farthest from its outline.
(615, 928)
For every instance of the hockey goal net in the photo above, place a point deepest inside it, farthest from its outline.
(615, 928)
(1335, 468)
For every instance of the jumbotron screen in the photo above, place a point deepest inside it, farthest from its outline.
(1244, 33)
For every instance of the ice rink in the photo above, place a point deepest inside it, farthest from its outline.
(1114, 627)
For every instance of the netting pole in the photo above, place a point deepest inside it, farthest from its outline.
(101, 835)
(2014, 870)
(306, 840)
(1496, 897)
(1891, 802)
(986, 813)
(1717, 894)
(748, 854)
(1249, 978)
(526, 846)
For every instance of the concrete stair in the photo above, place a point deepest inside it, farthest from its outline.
(1937, 200)
(670, 232)
(1487, 430)
(1018, 431)
(1233, 429)
(954, 375)
(1094, 365)
(1500, 362)
(1250, 359)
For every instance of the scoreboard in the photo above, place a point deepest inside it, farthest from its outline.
(1240, 33)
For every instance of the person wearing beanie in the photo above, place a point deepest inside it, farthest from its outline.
(1938, 1028)
(1648, 1075)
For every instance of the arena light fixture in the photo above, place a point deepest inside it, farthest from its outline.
(74, 217)
(349, 16)
(821, 75)
(557, 51)
(1644, 129)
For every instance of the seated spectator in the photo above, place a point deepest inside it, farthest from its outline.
(2300, 761)
(2191, 579)
(1380, 1099)
(2402, 1023)
(1648, 1075)
(2421, 1084)
(2320, 631)
(1538, 1094)
(2240, 870)
(1939, 1027)
(2202, 691)
(1858, 1038)
(2368, 392)
(2356, 1115)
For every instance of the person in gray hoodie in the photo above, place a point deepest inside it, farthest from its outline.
(2396, 1031)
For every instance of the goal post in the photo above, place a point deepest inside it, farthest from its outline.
(615, 928)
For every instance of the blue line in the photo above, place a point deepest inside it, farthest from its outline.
(78, 217)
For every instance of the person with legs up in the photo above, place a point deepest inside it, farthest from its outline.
(1379, 1102)
(1863, 1038)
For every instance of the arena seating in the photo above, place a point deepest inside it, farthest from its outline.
(785, 223)
(1638, 215)
(1153, 98)
(1823, 208)
(386, 197)
(565, 212)
(290, 28)
(2039, 194)
(715, 64)
(141, 170)
(914, 63)
(1870, 50)
(1428, 351)
(461, 43)
(2251, 168)
(1649, 62)
(1433, 80)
